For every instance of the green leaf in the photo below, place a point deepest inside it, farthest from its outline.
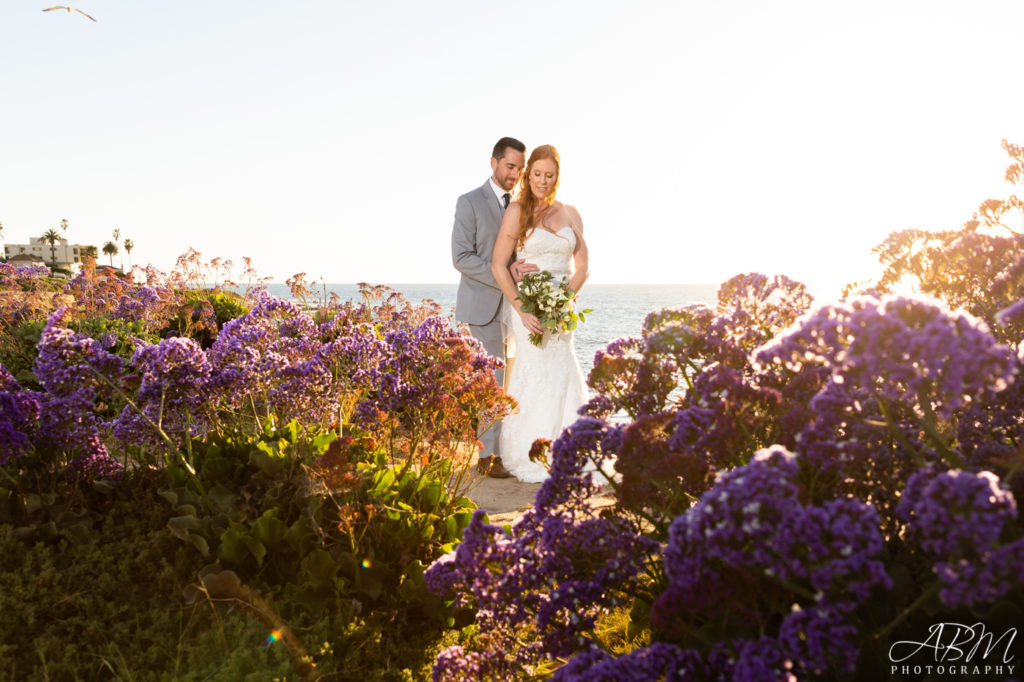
(270, 464)
(383, 480)
(300, 537)
(451, 527)
(319, 568)
(222, 584)
(182, 526)
(291, 432)
(232, 549)
(256, 548)
(269, 529)
(432, 492)
(200, 543)
(323, 441)
(221, 497)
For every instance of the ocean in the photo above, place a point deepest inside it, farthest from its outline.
(618, 309)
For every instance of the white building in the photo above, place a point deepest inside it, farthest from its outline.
(68, 255)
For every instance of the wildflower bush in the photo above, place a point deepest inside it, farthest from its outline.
(798, 488)
(308, 461)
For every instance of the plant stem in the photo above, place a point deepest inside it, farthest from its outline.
(932, 590)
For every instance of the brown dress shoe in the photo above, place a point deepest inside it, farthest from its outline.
(492, 467)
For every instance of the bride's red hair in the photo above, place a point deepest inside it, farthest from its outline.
(533, 207)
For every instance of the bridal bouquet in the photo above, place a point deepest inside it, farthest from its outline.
(551, 302)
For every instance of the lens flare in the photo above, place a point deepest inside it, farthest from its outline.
(274, 636)
(366, 563)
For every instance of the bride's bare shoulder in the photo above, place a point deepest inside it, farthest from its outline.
(573, 215)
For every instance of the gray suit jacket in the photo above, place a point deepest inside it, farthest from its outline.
(477, 220)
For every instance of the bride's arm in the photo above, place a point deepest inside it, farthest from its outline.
(581, 256)
(504, 246)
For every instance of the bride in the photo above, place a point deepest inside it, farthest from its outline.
(546, 380)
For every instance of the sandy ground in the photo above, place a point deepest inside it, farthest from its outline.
(506, 499)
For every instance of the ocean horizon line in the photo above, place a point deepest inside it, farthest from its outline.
(455, 283)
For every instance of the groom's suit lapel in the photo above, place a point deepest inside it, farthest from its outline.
(492, 203)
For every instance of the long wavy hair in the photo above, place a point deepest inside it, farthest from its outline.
(533, 207)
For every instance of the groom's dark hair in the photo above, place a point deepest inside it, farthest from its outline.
(504, 143)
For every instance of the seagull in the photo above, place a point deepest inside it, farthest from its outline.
(69, 9)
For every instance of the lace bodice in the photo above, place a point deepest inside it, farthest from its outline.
(551, 251)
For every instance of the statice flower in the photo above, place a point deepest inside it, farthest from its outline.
(989, 431)
(1012, 314)
(253, 351)
(833, 547)
(18, 275)
(455, 664)
(959, 518)
(907, 349)
(818, 642)
(956, 513)
(657, 661)
(757, 305)
(655, 473)
(74, 370)
(19, 417)
(93, 461)
(749, 538)
(173, 393)
(751, 660)
(559, 568)
(67, 362)
(735, 519)
(633, 381)
(856, 449)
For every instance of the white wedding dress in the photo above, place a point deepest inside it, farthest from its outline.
(546, 380)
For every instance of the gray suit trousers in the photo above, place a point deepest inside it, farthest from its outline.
(490, 335)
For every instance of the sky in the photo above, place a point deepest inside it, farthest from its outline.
(698, 140)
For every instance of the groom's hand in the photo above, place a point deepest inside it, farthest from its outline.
(520, 268)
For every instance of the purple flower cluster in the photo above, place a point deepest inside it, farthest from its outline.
(143, 304)
(173, 393)
(959, 519)
(67, 363)
(559, 568)
(910, 350)
(19, 415)
(18, 276)
(956, 513)
(757, 306)
(751, 545)
(658, 661)
(253, 350)
(74, 370)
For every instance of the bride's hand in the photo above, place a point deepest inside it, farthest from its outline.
(531, 322)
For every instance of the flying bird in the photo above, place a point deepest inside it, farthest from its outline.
(69, 9)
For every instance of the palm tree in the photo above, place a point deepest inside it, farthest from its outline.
(64, 225)
(51, 237)
(117, 242)
(128, 246)
(110, 248)
(90, 252)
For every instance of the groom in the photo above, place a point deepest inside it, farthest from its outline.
(477, 218)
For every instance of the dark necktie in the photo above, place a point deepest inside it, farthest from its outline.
(504, 199)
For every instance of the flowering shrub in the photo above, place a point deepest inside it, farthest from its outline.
(798, 488)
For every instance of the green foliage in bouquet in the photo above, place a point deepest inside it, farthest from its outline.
(551, 302)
